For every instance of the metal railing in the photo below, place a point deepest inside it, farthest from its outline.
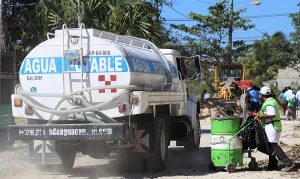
(65, 28)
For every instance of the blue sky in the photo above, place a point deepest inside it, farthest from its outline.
(265, 24)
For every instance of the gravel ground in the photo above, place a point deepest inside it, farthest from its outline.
(14, 162)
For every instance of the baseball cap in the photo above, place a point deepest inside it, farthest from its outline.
(265, 90)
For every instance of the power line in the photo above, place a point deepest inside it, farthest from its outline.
(249, 17)
(249, 37)
(264, 33)
(205, 2)
(200, 34)
(267, 15)
(189, 19)
(196, 20)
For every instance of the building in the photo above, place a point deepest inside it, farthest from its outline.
(288, 77)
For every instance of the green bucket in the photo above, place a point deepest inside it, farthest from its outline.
(222, 131)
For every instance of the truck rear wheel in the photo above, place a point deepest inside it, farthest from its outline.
(67, 153)
(159, 146)
(192, 144)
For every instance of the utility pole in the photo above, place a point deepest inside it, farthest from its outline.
(1, 42)
(230, 30)
(156, 7)
(78, 14)
(1, 32)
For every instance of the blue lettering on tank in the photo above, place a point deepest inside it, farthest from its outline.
(91, 64)
(41, 65)
(146, 66)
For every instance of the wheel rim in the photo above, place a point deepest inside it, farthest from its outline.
(162, 145)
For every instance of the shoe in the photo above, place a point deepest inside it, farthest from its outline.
(288, 168)
(274, 168)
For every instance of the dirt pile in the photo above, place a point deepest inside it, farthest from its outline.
(294, 153)
(221, 107)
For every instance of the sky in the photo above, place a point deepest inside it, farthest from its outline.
(279, 9)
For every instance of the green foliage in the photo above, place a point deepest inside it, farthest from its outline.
(28, 24)
(269, 55)
(206, 38)
(22, 27)
(125, 17)
(196, 87)
(296, 23)
(296, 35)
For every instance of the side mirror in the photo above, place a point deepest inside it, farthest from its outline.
(182, 68)
(197, 64)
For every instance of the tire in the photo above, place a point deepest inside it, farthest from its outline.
(193, 143)
(230, 167)
(157, 160)
(211, 166)
(67, 153)
(253, 165)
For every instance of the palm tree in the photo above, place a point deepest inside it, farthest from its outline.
(127, 17)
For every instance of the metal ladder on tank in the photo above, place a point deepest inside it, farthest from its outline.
(65, 29)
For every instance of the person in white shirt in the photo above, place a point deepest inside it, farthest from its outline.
(289, 91)
(298, 98)
(291, 103)
(269, 116)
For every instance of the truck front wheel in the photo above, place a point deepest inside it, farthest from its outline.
(159, 146)
(192, 144)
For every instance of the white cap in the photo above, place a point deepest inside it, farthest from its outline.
(265, 90)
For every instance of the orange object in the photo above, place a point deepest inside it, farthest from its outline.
(18, 102)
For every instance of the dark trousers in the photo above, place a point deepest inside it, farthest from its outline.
(278, 152)
(291, 114)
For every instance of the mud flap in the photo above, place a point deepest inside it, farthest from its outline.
(36, 149)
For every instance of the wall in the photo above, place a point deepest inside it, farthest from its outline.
(288, 77)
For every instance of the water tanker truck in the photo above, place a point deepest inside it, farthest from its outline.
(94, 92)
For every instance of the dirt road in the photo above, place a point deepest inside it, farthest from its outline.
(14, 162)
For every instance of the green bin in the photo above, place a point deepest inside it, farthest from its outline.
(225, 148)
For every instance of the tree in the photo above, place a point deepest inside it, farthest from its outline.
(29, 21)
(295, 36)
(206, 38)
(125, 17)
(267, 56)
(22, 28)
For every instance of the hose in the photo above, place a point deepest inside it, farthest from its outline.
(128, 87)
(64, 97)
(101, 115)
(28, 100)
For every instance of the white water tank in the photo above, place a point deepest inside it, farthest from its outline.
(108, 59)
